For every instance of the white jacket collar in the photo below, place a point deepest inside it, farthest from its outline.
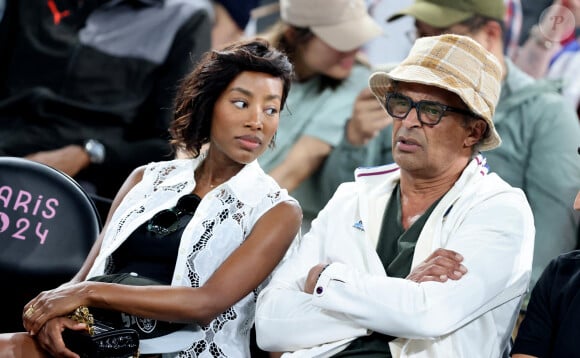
(375, 185)
(249, 185)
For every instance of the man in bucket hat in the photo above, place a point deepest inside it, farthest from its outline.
(374, 277)
(538, 128)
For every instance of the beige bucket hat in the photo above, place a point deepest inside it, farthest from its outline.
(345, 25)
(454, 63)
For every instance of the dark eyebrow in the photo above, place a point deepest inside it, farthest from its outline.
(243, 90)
(250, 94)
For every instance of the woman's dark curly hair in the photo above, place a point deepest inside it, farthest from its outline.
(199, 90)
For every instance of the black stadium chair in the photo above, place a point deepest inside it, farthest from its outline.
(48, 224)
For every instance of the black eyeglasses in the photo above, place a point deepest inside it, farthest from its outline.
(428, 112)
(167, 221)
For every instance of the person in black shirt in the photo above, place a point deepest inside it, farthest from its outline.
(551, 324)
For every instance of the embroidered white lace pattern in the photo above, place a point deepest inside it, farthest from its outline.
(234, 210)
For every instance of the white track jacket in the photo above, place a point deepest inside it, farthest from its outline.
(489, 222)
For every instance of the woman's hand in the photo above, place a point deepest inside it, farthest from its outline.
(440, 266)
(50, 336)
(51, 304)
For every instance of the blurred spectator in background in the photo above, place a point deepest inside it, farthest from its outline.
(323, 39)
(399, 35)
(87, 86)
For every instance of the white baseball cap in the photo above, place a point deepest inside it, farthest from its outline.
(344, 25)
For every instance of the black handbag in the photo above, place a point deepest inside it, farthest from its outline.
(114, 334)
(101, 340)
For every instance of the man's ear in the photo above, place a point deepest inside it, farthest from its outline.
(477, 130)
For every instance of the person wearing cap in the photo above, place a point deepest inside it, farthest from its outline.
(538, 127)
(356, 284)
(322, 39)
